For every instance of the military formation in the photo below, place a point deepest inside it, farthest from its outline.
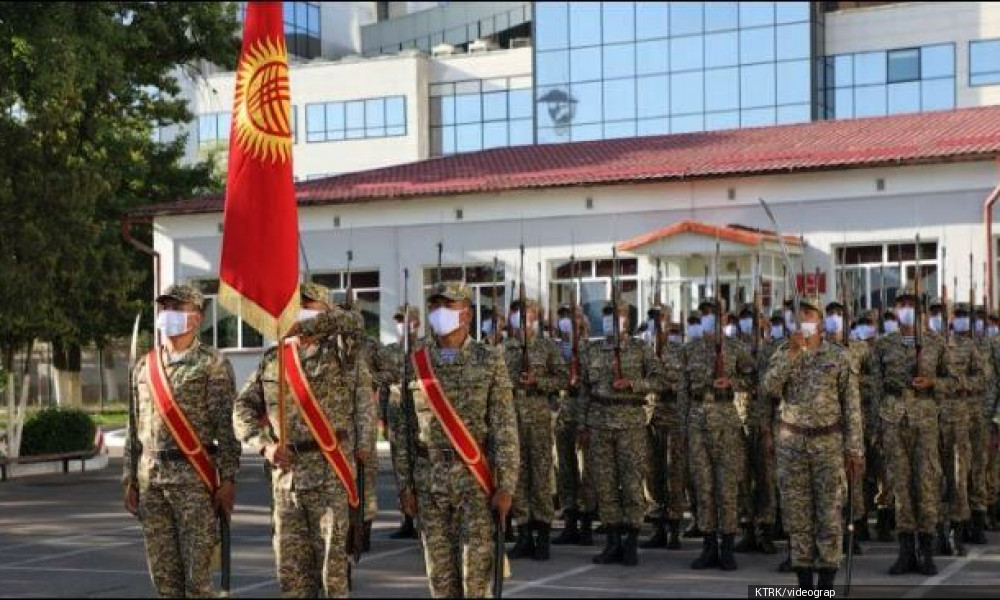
(801, 424)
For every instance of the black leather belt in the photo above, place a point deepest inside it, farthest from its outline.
(606, 401)
(812, 431)
(177, 453)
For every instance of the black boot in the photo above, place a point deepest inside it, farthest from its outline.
(749, 541)
(943, 543)
(613, 551)
(366, 538)
(709, 557)
(630, 547)
(786, 565)
(659, 539)
(958, 535)
(992, 523)
(570, 533)
(674, 541)
(861, 532)
(406, 530)
(927, 566)
(825, 579)
(805, 577)
(525, 545)
(882, 527)
(765, 541)
(977, 534)
(541, 551)
(727, 562)
(586, 529)
(906, 562)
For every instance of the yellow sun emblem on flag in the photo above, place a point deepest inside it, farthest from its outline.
(262, 120)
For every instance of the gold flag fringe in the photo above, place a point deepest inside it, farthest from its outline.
(255, 316)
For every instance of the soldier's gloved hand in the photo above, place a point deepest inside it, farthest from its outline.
(132, 500)
(723, 383)
(277, 456)
(922, 383)
(225, 497)
(622, 385)
(408, 503)
(583, 438)
(853, 465)
(527, 380)
(501, 503)
(362, 456)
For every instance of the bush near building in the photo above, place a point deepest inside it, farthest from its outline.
(56, 430)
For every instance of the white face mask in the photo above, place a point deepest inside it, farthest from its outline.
(651, 326)
(864, 332)
(694, 332)
(566, 326)
(961, 324)
(809, 329)
(746, 326)
(707, 323)
(444, 321)
(515, 320)
(935, 323)
(488, 326)
(729, 330)
(172, 323)
(979, 326)
(993, 331)
(674, 339)
(399, 330)
(891, 327)
(777, 332)
(834, 323)
(906, 316)
(789, 319)
(307, 313)
(607, 324)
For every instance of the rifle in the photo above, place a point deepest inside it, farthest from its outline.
(525, 361)
(615, 325)
(358, 514)
(574, 363)
(659, 334)
(972, 298)
(881, 300)
(541, 325)
(684, 303)
(133, 419)
(405, 399)
(986, 301)
(787, 258)
(720, 365)
(918, 328)
(944, 293)
(440, 251)
(757, 291)
(496, 305)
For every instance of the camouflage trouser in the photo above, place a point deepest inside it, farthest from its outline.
(456, 526)
(576, 492)
(955, 459)
(665, 471)
(811, 481)
(715, 456)
(533, 498)
(310, 539)
(371, 470)
(618, 457)
(878, 489)
(760, 484)
(914, 471)
(979, 442)
(181, 532)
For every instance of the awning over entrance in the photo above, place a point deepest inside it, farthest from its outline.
(692, 237)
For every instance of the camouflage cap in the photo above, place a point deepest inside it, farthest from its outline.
(980, 310)
(809, 303)
(564, 310)
(777, 315)
(315, 292)
(935, 302)
(694, 316)
(962, 307)
(746, 310)
(909, 291)
(400, 311)
(183, 292)
(835, 305)
(868, 315)
(706, 305)
(455, 291)
(889, 315)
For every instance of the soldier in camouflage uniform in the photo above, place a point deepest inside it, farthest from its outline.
(310, 506)
(910, 431)
(616, 429)
(456, 521)
(666, 448)
(693, 333)
(991, 404)
(176, 510)
(576, 490)
(980, 411)
(715, 442)
(534, 383)
(819, 435)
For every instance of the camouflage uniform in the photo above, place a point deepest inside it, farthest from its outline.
(980, 413)
(311, 511)
(533, 506)
(819, 421)
(666, 449)
(616, 421)
(175, 507)
(455, 521)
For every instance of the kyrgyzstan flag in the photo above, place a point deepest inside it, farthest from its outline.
(259, 272)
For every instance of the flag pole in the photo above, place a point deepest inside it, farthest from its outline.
(282, 421)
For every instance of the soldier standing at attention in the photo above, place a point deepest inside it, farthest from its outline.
(183, 388)
(313, 471)
(819, 437)
(541, 374)
(457, 450)
(980, 411)
(616, 430)
(910, 431)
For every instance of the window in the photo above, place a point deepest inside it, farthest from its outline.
(592, 282)
(480, 280)
(365, 287)
(356, 119)
(222, 329)
(213, 128)
(984, 62)
(904, 65)
(302, 28)
(480, 114)
(874, 270)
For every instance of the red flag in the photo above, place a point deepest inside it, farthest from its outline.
(259, 272)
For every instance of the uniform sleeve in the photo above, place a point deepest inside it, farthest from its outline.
(850, 401)
(365, 412)
(222, 388)
(743, 370)
(583, 403)
(250, 418)
(502, 421)
(778, 372)
(555, 376)
(944, 375)
(654, 380)
(131, 450)
(683, 391)
(329, 323)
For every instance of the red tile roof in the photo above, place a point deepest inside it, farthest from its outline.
(933, 137)
(732, 233)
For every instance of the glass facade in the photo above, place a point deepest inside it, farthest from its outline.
(213, 128)
(356, 119)
(480, 114)
(302, 27)
(622, 69)
(887, 82)
(984, 62)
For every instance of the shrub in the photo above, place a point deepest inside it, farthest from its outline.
(55, 430)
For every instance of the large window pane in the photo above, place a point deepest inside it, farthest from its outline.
(551, 25)
(843, 66)
(687, 124)
(520, 132)
(585, 24)
(494, 106)
(375, 112)
(619, 22)
(792, 12)
(619, 61)
(652, 57)
(753, 14)
(468, 137)
(756, 45)
(654, 96)
(939, 61)
(621, 129)
(685, 18)
(315, 124)
(588, 133)
(722, 89)
(796, 113)
(869, 101)
(585, 64)
(758, 117)
(355, 115)
(588, 102)
(652, 20)
(520, 103)
(553, 67)
(495, 134)
(869, 68)
(904, 65)
(904, 97)
(653, 126)
(757, 86)
(722, 50)
(793, 82)
(938, 94)
(722, 120)
(395, 110)
(468, 108)
(448, 110)
(619, 99)
(844, 103)
(686, 93)
(720, 16)
(984, 62)
(793, 41)
(686, 53)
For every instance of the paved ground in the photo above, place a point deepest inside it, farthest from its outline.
(68, 536)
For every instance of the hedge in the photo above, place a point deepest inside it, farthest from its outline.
(56, 430)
